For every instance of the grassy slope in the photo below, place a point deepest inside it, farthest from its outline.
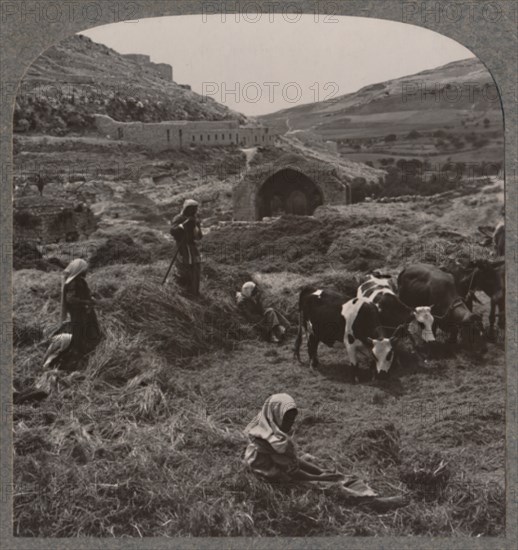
(147, 440)
(415, 102)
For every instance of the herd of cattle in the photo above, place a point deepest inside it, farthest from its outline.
(426, 297)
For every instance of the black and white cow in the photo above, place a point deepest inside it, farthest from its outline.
(364, 331)
(326, 317)
(393, 312)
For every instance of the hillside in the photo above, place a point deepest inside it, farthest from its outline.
(451, 112)
(78, 77)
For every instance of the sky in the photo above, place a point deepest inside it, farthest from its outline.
(270, 64)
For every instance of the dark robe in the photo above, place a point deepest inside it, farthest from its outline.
(186, 231)
(86, 332)
(265, 319)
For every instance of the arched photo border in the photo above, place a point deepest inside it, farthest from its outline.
(487, 28)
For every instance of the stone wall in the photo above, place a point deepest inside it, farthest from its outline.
(165, 70)
(138, 58)
(50, 220)
(172, 134)
(255, 136)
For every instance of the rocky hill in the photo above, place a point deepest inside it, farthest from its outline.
(78, 77)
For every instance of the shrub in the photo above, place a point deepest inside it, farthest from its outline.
(24, 218)
(22, 125)
(414, 134)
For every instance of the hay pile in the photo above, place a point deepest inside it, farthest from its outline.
(426, 474)
(120, 249)
(27, 256)
(175, 326)
(380, 445)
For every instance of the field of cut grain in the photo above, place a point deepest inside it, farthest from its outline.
(147, 440)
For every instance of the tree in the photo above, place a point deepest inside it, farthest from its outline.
(390, 137)
(414, 134)
(40, 184)
(22, 125)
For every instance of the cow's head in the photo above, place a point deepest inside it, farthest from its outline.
(423, 316)
(383, 352)
(472, 335)
(483, 275)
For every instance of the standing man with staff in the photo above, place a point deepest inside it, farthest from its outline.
(186, 230)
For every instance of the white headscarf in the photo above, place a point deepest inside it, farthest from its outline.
(267, 424)
(248, 288)
(75, 267)
(187, 203)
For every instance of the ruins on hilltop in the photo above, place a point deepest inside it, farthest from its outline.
(163, 69)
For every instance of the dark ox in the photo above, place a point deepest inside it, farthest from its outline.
(428, 285)
(326, 318)
(485, 276)
(393, 312)
(495, 237)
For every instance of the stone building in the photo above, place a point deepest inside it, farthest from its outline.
(173, 134)
(255, 136)
(49, 220)
(163, 69)
(293, 184)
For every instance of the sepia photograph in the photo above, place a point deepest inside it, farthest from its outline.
(258, 282)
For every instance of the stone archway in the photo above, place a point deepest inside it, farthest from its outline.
(288, 191)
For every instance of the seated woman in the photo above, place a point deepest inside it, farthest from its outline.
(272, 456)
(271, 323)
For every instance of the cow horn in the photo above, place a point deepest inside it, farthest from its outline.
(397, 332)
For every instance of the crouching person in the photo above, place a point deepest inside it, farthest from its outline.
(271, 453)
(271, 323)
(272, 456)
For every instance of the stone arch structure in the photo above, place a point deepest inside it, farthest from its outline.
(293, 184)
(288, 191)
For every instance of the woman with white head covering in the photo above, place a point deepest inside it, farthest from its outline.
(186, 230)
(271, 323)
(271, 453)
(73, 339)
(76, 302)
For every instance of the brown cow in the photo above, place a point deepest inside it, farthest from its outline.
(428, 285)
